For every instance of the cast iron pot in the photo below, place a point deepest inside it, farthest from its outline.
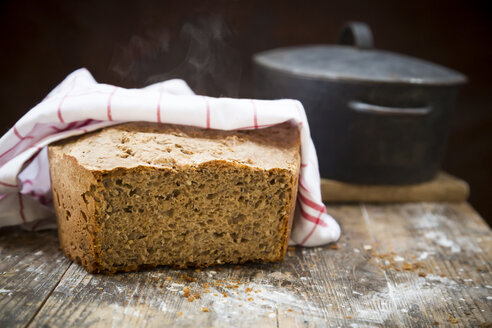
(376, 117)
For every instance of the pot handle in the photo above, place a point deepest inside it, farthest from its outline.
(356, 34)
(362, 107)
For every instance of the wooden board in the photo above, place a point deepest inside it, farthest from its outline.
(444, 188)
(30, 268)
(396, 265)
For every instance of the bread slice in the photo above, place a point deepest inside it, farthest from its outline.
(144, 194)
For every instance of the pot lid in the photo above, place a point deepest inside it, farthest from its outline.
(357, 62)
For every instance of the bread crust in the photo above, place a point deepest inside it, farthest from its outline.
(76, 232)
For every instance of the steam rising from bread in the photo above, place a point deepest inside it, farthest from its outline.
(201, 53)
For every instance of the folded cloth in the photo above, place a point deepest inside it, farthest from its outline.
(80, 105)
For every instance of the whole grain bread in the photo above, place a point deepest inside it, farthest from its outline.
(145, 194)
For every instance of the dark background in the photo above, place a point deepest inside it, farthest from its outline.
(210, 45)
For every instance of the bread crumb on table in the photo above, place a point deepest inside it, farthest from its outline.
(188, 278)
(205, 309)
(179, 314)
(407, 266)
(452, 319)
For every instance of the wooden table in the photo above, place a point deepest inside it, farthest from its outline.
(411, 265)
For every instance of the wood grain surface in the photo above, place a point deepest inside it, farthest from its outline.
(401, 265)
(444, 188)
(30, 268)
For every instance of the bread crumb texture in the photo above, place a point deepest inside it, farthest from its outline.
(140, 195)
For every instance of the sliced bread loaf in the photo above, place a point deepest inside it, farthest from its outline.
(144, 194)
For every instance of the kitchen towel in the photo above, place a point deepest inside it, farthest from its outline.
(79, 105)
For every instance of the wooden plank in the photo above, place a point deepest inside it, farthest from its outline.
(438, 272)
(343, 286)
(137, 299)
(444, 187)
(350, 289)
(30, 267)
(315, 287)
(472, 223)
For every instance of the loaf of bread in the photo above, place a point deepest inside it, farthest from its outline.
(140, 195)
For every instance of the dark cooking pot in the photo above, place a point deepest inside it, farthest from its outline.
(376, 117)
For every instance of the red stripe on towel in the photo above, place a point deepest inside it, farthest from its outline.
(255, 115)
(7, 184)
(60, 117)
(19, 135)
(316, 224)
(11, 148)
(313, 219)
(159, 105)
(208, 113)
(21, 208)
(302, 184)
(310, 203)
(108, 109)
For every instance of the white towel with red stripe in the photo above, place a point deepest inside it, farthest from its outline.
(79, 104)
